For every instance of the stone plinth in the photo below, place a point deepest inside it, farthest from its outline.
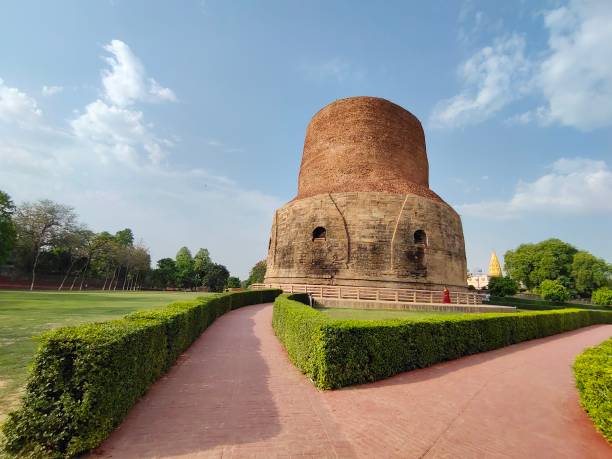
(369, 241)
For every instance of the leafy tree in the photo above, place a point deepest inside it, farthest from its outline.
(73, 245)
(108, 260)
(94, 244)
(233, 282)
(257, 273)
(216, 277)
(140, 264)
(39, 224)
(602, 296)
(165, 274)
(201, 259)
(201, 264)
(553, 290)
(589, 273)
(533, 263)
(125, 237)
(502, 286)
(184, 268)
(7, 227)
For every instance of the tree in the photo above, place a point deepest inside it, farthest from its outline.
(94, 243)
(39, 224)
(7, 227)
(140, 262)
(201, 264)
(73, 244)
(531, 264)
(589, 273)
(216, 277)
(502, 286)
(184, 268)
(257, 273)
(232, 282)
(602, 296)
(125, 237)
(165, 274)
(553, 290)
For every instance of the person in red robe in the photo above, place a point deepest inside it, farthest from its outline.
(446, 296)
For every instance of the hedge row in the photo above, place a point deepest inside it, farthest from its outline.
(593, 372)
(337, 353)
(85, 379)
(541, 305)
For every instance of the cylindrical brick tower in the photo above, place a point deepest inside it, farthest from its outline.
(364, 214)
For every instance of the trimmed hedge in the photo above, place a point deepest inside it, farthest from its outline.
(86, 378)
(593, 372)
(337, 353)
(541, 305)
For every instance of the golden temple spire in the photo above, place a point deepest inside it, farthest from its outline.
(494, 266)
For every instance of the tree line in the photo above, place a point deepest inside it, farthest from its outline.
(45, 238)
(554, 269)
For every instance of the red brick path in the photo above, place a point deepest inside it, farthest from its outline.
(235, 394)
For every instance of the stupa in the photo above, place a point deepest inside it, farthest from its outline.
(494, 266)
(364, 214)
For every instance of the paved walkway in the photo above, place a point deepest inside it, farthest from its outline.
(235, 394)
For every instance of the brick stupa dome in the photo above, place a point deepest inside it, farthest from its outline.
(364, 144)
(364, 215)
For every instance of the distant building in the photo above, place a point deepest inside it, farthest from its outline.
(494, 266)
(479, 280)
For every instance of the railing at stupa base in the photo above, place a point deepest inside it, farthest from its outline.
(376, 294)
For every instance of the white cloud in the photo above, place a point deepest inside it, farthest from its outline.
(573, 186)
(126, 81)
(218, 145)
(51, 90)
(118, 132)
(152, 196)
(17, 107)
(538, 115)
(573, 74)
(492, 77)
(473, 23)
(335, 69)
(112, 128)
(576, 76)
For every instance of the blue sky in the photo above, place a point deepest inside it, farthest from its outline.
(185, 120)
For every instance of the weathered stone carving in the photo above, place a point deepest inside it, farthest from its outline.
(364, 180)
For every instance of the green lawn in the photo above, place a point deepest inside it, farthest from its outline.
(27, 314)
(381, 314)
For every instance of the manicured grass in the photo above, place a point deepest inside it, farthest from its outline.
(24, 315)
(381, 314)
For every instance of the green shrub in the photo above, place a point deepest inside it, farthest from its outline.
(540, 305)
(337, 353)
(593, 372)
(85, 379)
(602, 296)
(502, 286)
(553, 290)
